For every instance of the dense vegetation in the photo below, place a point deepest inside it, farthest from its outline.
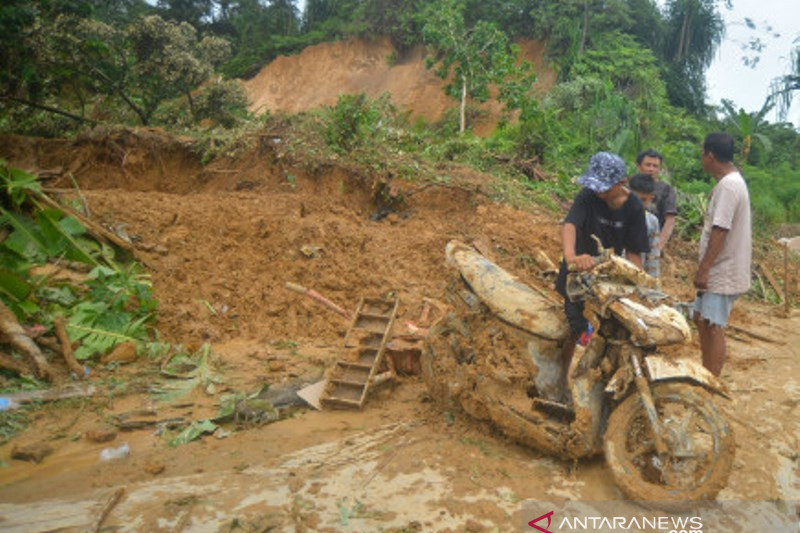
(630, 76)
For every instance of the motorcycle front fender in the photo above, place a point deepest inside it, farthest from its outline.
(661, 368)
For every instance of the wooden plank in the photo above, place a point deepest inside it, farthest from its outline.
(771, 279)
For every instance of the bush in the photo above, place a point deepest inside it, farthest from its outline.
(352, 120)
(224, 102)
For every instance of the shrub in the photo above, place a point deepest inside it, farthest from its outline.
(352, 120)
(224, 102)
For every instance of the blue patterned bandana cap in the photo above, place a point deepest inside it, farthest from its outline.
(605, 170)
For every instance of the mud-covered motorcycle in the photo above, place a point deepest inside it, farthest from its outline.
(651, 411)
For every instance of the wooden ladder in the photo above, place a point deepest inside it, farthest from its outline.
(364, 346)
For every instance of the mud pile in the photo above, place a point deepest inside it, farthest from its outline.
(220, 244)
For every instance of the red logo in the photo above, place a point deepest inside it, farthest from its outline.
(549, 516)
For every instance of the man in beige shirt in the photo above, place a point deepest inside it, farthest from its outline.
(725, 250)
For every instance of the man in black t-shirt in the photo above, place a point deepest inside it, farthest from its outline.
(607, 209)
(665, 204)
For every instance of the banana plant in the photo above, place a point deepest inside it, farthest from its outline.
(747, 125)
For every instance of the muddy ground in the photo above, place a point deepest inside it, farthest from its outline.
(219, 244)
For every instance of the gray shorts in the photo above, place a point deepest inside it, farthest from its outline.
(714, 307)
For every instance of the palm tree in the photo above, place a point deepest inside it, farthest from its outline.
(694, 31)
(747, 125)
(785, 87)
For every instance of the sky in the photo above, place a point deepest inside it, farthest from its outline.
(748, 87)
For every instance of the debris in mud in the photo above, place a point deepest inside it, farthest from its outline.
(254, 411)
(194, 431)
(360, 364)
(154, 469)
(120, 452)
(108, 506)
(122, 353)
(314, 295)
(35, 452)
(188, 372)
(46, 395)
(101, 434)
(145, 418)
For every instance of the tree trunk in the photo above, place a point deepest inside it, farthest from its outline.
(746, 143)
(462, 126)
(144, 117)
(684, 35)
(585, 29)
(48, 109)
(191, 103)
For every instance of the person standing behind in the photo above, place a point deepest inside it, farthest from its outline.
(643, 186)
(664, 202)
(725, 250)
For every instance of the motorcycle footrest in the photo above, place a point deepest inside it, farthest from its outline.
(556, 410)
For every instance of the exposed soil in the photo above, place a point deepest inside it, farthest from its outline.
(222, 244)
(320, 73)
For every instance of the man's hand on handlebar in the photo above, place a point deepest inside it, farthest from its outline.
(581, 262)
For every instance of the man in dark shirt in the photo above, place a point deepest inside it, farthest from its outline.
(665, 205)
(607, 209)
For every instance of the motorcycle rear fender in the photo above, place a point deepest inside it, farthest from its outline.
(661, 368)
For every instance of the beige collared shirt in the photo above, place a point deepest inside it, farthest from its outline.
(729, 208)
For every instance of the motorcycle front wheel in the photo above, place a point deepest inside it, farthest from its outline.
(700, 442)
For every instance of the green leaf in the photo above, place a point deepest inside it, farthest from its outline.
(18, 184)
(99, 328)
(76, 250)
(14, 286)
(25, 235)
(71, 226)
(195, 430)
(188, 373)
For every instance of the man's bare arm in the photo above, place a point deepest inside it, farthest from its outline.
(568, 238)
(666, 231)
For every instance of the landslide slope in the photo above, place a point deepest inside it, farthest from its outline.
(319, 74)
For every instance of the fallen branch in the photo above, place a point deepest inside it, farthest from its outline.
(17, 338)
(111, 502)
(772, 282)
(66, 347)
(747, 332)
(49, 343)
(45, 395)
(95, 229)
(9, 363)
(314, 295)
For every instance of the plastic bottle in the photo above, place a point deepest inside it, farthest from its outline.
(107, 454)
(7, 404)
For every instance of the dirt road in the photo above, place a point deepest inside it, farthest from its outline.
(401, 465)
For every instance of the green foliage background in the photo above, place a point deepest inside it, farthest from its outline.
(630, 76)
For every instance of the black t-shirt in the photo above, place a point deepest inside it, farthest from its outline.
(664, 202)
(623, 229)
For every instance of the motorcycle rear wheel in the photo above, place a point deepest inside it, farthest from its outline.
(700, 441)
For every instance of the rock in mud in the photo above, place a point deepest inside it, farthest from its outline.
(474, 527)
(101, 434)
(35, 452)
(277, 366)
(153, 468)
(123, 353)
